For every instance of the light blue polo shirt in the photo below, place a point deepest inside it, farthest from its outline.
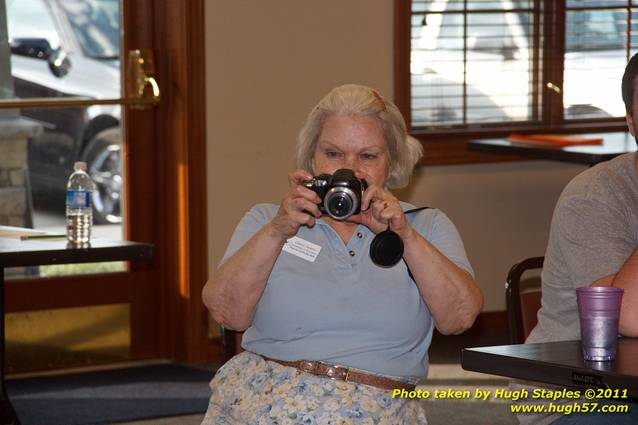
(342, 308)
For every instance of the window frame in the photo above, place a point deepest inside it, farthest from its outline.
(450, 146)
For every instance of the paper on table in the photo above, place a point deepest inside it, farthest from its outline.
(554, 139)
(11, 232)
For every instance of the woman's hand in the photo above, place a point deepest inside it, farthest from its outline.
(381, 210)
(298, 207)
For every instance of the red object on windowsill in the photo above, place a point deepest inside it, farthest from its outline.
(553, 139)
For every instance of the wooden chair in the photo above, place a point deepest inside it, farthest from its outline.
(231, 343)
(522, 306)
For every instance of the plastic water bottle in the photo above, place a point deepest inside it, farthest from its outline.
(79, 214)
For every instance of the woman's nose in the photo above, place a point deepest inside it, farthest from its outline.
(351, 163)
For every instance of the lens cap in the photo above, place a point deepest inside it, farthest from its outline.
(386, 249)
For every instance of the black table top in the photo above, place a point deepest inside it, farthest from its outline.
(559, 363)
(614, 144)
(18, 253)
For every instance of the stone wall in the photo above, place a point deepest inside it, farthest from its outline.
(15, 193)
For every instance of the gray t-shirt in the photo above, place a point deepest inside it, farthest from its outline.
(341, 308)
(594, 231)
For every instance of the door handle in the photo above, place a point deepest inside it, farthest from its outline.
(140, 78)
(141, 89)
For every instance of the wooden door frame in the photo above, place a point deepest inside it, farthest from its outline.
(172, 140)
(164, 156)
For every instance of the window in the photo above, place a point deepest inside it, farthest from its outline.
(455, 54)
(598, 44)
(65, 48)
(472, 68)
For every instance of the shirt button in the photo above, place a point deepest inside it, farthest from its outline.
(359, 235)
(352, 254)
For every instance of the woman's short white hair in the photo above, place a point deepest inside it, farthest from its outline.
(352, 99)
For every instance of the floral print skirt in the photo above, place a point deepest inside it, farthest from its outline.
(249, 390)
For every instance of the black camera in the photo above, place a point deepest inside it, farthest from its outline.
(340, 193)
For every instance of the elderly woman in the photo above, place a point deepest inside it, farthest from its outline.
(329, 333)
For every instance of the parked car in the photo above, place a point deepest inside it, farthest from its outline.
(62, 48)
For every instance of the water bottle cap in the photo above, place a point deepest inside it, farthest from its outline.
(79, 165)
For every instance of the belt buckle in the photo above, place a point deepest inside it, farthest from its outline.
(336, 372)
(308, 366)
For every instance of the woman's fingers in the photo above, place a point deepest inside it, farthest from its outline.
(304, 205)
(302, 218)
(390, 209)
(297, 177)
(371, 194)
(295, 212)
(298, 207)
(384, 212)
(377, 208)
(297, 189)
(303, 192)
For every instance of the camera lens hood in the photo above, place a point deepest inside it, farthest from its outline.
(344, 197)
(386, 249)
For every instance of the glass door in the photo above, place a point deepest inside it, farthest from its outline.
(148, 157)
(61, 101)
(66, 49)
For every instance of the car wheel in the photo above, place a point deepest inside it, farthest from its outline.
(104, 165)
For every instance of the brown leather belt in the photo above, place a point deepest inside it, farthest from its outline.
(342, 373)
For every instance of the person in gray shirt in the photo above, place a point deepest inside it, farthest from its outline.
(331, 335)
(592, 242)
(593, 238)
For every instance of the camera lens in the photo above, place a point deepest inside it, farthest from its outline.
(339, 205)
(341, 202)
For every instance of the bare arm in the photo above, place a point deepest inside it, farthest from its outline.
(593, 238)
(449, 291)
(233, 292)
(231, 295)
(627, 279)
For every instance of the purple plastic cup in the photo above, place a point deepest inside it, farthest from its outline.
(599, 311)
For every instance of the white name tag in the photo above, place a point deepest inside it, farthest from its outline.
(302, 248)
